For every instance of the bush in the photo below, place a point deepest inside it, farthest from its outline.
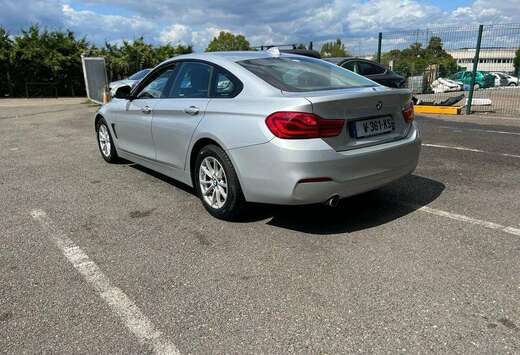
(54, 58)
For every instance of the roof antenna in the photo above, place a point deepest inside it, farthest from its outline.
(273, 52)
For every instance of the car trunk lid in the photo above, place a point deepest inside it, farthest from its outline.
(363, 109)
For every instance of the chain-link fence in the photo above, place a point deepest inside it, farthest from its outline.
(438, 63)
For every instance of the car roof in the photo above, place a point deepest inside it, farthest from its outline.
(232, 56)
(228, 60)
(337, 60)
(304, 52)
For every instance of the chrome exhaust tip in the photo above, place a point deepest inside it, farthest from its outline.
(332, 201)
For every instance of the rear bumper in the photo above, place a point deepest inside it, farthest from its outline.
(272, 172)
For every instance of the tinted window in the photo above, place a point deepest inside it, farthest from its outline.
(303, 74)
(366, 68)
(225, 85)
(192, 81)
(156, 88)
(350, 66)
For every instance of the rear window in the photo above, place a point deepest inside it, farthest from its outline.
(139, 75)
(303, 74)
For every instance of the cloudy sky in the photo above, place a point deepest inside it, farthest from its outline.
(261, 21)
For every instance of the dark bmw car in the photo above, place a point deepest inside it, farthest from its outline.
(372, 70)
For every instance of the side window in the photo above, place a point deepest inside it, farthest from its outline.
(350, 66)
(156, 89)
(224, 85)
(370, 69)
(192, 81)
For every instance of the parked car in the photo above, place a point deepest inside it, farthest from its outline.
(262, 127)
(511, 80)
(305, 52)
(442, 85)
(482, 80)
(131, 80)
(372, 70)
(500, 79)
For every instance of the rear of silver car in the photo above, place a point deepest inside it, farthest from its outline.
(378, 143)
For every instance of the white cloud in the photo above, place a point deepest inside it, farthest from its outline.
(376, 15)
(18, 14)
(390, 15)
(175, 34)
(111, 28)
(262, 21)
(201, 38)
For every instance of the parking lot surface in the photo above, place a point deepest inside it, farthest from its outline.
(100, 258)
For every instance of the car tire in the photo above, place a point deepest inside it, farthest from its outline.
(512, 84)
(214, 174)
(105, 141)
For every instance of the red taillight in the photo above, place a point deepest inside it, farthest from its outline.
(298, 125)
(408, 113)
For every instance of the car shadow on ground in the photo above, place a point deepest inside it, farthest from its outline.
(360, 212)
(355, 213)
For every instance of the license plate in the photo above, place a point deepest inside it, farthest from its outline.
(374, 127)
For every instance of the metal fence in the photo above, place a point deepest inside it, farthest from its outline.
(475, 63)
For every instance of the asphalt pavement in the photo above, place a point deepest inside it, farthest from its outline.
(100, 258)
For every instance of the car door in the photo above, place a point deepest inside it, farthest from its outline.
(503, 80)
(176, 117)
(133, 126)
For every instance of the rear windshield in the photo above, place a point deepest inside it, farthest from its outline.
(301, 74)
(139, 75)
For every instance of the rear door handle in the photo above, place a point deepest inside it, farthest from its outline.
(146, 109)
(192, 110)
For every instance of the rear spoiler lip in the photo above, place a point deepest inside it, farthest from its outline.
(353, 92)
(374, 95)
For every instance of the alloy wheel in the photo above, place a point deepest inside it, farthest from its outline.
(104, 140)
(213, 182)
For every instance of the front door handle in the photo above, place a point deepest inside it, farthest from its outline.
(146, 109)
(192, 110)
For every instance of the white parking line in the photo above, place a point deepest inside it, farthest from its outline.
(469, 150)
(480, 130)
(459, 217)
(116, 299)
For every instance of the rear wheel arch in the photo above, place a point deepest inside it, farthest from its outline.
(224, 185)
(201, 143)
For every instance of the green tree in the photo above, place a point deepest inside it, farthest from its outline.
(48, 56)
(516, 62)
(137, 55)
(54, 58)
(227, 41)
(5, 63)
(167, 51)
(435, 54)
(415, 60)
(133, 56)
(334, 49)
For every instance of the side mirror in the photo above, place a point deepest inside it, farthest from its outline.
(123, 92)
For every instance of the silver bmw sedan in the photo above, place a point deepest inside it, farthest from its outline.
(262, 127)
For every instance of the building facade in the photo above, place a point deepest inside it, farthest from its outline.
(491, 59)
